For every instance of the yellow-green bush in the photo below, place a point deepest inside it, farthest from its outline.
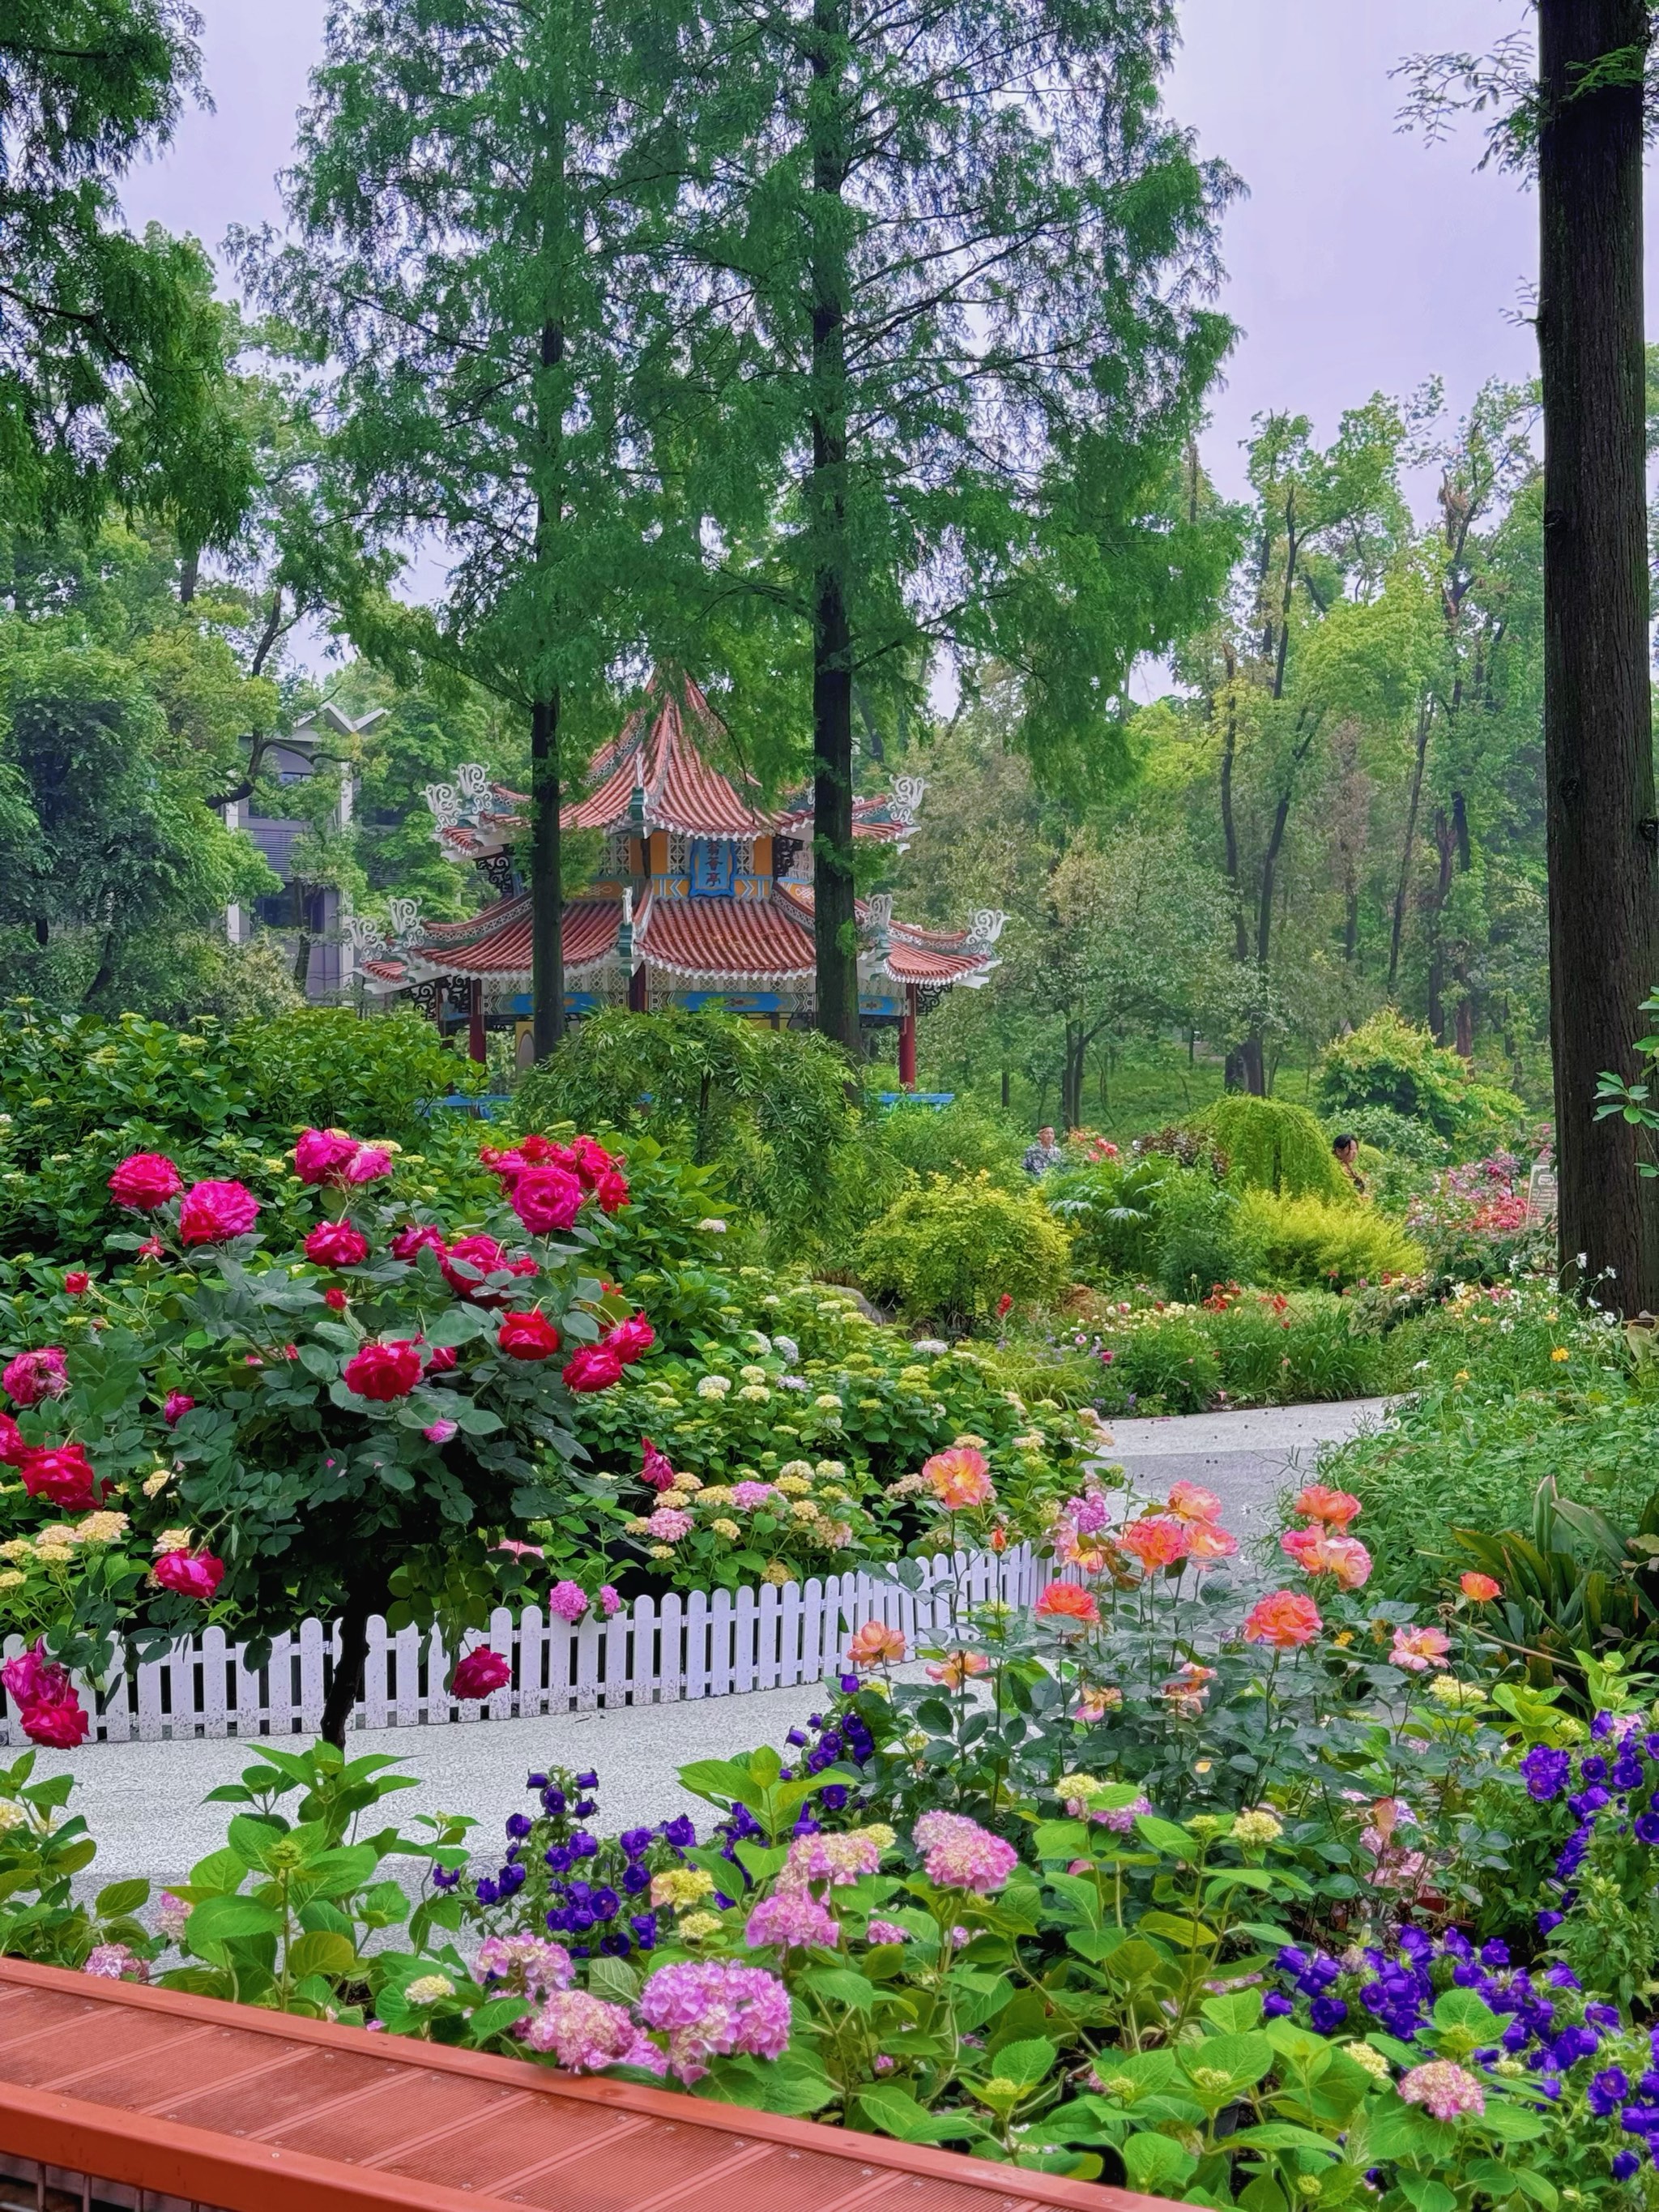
(1272, 1145)
(949, 1251)
(1291, 1243)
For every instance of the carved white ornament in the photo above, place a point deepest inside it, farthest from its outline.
(365, 936)
(908, 794)
(472, 781)
(405, 917)
(445, 802)
(880, 907)
(984, 927)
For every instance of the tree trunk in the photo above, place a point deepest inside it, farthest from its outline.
(1598, 754)
(1242, 1070)
(347, 1680)
(1425, 720)
(546, 882)
(1006, 1099)
(835, 912)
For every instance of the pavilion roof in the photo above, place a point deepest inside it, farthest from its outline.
(653, 774)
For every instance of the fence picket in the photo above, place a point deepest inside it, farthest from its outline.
(698, 1646)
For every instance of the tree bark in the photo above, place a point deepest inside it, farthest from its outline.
(546, 882)
(1425, 719)
(1598, 755)
(1242, 1070)
(835, 908)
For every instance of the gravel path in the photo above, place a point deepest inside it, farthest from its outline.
(143, 1801)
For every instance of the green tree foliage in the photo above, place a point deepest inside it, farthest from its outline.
(111, 346)
(475, 183)
(956, 251)
(1386, 1063)
(768, 1107)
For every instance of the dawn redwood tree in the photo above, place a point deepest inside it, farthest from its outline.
(958, 249)
(1577, 116)
(474, 184)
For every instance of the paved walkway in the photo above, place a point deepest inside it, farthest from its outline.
(1247, 1458)
(143, 1801)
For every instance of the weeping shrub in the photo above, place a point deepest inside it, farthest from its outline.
(1272, 1145)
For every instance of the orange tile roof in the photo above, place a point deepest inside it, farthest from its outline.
(754, 941)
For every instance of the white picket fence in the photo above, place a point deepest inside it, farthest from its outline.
(702, 1645)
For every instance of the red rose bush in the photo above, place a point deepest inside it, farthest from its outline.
(249, 1439)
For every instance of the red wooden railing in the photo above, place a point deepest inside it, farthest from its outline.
(218, 2105)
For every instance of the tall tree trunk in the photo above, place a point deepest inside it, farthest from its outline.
(1242, 1070)
(1425, 721)
(834, 910)
(1443, 846)
(546, 882)
(1598, 751)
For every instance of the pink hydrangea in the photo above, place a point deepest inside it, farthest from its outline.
(530, 1963)
(610, 1603)
(1120, 1819)
(568, 1600)
(960, 1854)
(585, 2033)
(792, 1919)
(668, 1524)
(751, 1495)
(887, 1931)
(1443, 2089)
(837, 1859)
(708, 2008)
(116, 1962)
(1089, 1512)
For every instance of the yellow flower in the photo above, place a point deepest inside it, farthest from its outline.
(729, 1529)
(662, 1551)
(804, 1510)
(173, 1540)
(973, 1443)
(697, 1925)
(19, 1547)
(680, 1885)
(638, 1525)
(830, 1469)
(157, 1481)
(756, 1394)
(1259, 1826)
(1461, 1376)
(1364, 2054)
(102, 1528)
(827, 1402)
(428, 1989)
(11, 1578)
(775, 1573)
(794, 1485)
(54, 1555)
(1560, 1352)
(799, 1471)
(752, 1374)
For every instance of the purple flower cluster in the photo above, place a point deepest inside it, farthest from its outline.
(1619, 1766)
(709, 2008)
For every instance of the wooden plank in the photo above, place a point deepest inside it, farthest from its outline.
(374, 1706)
(695, 1645)
(587, 1666)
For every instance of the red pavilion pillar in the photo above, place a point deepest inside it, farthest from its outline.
(475, 1023)
(907, 1039)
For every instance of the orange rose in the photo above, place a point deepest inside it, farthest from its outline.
(1481, 1588)
(960, 1477)
(876, 1642)
(1284, 1619)
(957, 1667)
(1069, 1605)
(1320, 1502)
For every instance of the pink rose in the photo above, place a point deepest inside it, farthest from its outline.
(527, 1336)
(409, 1241)
(439, 1432)
(323, 1155)
(33, 1376)
(384, 1372)
(592, 1367)
(63, 1725)
(191, 1574)
(545, 1199)
(212, 1212)
(152, 1248)
(144, 1180)
(440, 1358)
(76, 1282)
(480, 1673)
(335, 1299)
(367, 1164)
(12, 1447)
(176, 1407)
(655, 1467)
(31, 1679)
(591, 1160)
(337, 1244)
(630, 1338)
(61, 1473)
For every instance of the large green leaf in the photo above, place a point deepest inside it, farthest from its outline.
(223, 1919)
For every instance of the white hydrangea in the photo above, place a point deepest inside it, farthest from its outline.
(714, 1386)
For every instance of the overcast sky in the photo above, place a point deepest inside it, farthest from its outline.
(1359, 259)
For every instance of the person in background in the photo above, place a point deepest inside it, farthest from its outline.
(1044, 1154)
(1347, 1150)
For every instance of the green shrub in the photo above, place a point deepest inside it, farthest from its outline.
(1171, 1368)
(1387, 1062)
(768, 1107)
(323, 1067)
(1294, 1243)
(1299, 1351)
(949, 1251)
(1397, 1136)
(1271, 1145)
(1113, 1209)
(1198, 1236)
(962, 1139)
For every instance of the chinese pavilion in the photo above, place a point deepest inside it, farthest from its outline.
(701, 893)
